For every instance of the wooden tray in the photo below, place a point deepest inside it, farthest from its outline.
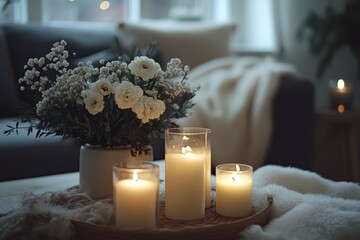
(212, 226)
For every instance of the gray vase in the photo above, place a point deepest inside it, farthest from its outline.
(96, 168)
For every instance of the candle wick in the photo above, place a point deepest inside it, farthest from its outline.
(135, 177)
(233, 178)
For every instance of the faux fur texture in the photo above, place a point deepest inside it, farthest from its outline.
(306, 206)
(48, 216)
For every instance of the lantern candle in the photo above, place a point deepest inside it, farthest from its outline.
(340, 95)
(234, 190)
(185, 157)
(136, 190)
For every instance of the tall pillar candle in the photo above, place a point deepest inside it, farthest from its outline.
(136, 194)
(185, 159)
(234, 190)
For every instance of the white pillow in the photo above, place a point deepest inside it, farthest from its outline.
(193, 43)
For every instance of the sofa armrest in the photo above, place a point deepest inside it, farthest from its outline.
(293, 121)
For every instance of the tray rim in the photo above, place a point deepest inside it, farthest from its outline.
(230, 228)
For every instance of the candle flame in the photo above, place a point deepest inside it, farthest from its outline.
(341, 84)
(185, 138)
(135, 177)
(186, 150)
(104, 5)
(341, 108)
(237, 167)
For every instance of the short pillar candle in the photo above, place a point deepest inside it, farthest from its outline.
(136, 194)
(234, 190)
(186, 154)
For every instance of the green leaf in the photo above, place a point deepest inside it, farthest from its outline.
(29, 131)
(38, 132)
(7, 132)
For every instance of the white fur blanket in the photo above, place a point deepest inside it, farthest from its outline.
(305, 206)
(235, 102)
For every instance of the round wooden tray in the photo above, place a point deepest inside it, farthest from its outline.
(212, 226)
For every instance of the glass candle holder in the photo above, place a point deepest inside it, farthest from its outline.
(234, 190)
(340, 94)
(208, 170)
(136, 194)
(187, 167)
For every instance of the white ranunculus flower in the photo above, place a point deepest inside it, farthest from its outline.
(144, 67)
(148, 108)
(103, 86)
(127, 94)
(94, 103)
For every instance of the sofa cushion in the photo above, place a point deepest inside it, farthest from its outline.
(193, 43)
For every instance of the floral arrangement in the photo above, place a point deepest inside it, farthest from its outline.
(121, 103)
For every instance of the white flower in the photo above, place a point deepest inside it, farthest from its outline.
(103, 86)
(148, 108)
(94, 103)
(127, 94)
(144, 67)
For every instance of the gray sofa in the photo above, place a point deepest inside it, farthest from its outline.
(24, 156)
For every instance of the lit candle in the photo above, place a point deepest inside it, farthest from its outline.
(184, 186)
(234, 190)
(340, 94)
(185, 159)
(207, 166)
(136, 201)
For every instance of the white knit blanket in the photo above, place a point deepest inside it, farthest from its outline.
(305, 206)
(235, 102)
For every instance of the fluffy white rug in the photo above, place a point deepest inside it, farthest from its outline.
(235, 102)
(48, 216)
(306, 206)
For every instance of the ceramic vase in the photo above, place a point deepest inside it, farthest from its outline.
(96, 168)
